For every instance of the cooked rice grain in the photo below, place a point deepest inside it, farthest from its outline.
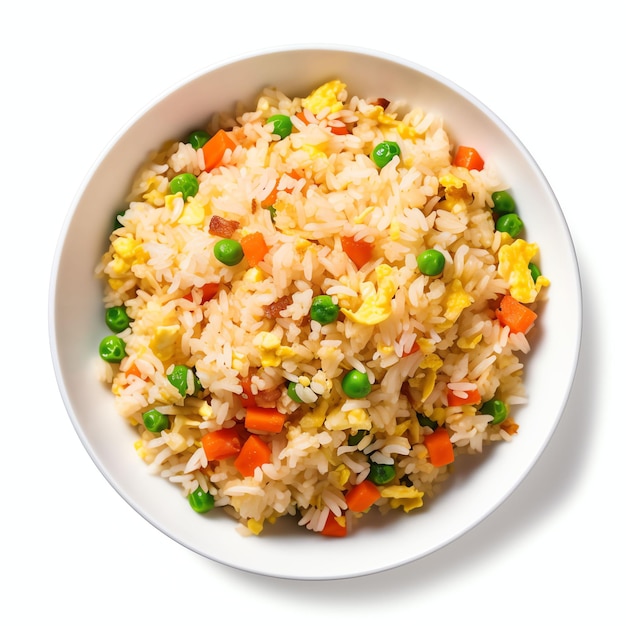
(429, 335)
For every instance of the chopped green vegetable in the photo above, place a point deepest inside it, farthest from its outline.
(355, 438)
(356, 384)
(155, 421)
(117, 319)
(112, 349)
(384, 152)
(381, 474)
(291, 392)
(535, 272)
(116, 221)
(426, 421)
(228, 251)
(324, 310)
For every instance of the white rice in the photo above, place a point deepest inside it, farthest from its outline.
(437, 334)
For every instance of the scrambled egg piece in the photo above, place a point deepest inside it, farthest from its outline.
(141, 451)
(254, 275)
(153, 194)
(327, 95)
(254, 526)
(314, 151)
(126, 251)
(376, 305)
(384, 119)
(193, 213)
(205, 410)
(163, 342)
(513, 267)
(408, 498)
(394, 230)
(449, 181)
(431, 363)
(456, 195)
(271, 351)
(315, 418)
(356, 419)
(469, 343)
(456, 301)
(339, 476)
(238, 361)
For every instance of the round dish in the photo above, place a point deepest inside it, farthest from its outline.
(479, 484)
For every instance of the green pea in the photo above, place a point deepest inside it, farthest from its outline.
(356, 384)
(291, 392)
(117, 319)
(384, 152)
(201, 501)
(324, 310)
(198, 138)
(178, 378)
(381, 474)
(503, 202)
(431, 262)
(426, 422)
(155, 421)
(186, 183)
(355, 438)
(228, 251)
(510, 223)
(535, 272)
(282, 125)
(112, 349)
(272, 210)
(497, 409)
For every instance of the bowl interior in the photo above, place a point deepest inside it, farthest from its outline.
(76, 320)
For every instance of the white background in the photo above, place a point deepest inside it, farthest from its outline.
(71, 75)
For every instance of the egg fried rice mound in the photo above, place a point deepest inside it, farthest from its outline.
(249, 397)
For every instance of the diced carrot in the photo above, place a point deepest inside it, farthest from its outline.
(267, 202)
(359, 251)
(254, 453)
(338, 128)
(254, 247)
(268, 420)
(208, 291)
(221, 444)
(215, 148)
(517, 316)
(439, 446)
(469, 158)
(412, 349)
(301, 115)
(335, 526)
(362, 496)
(247, 397)
(472, 396)
(133, 370)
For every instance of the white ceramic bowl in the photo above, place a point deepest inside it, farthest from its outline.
(479, 486)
